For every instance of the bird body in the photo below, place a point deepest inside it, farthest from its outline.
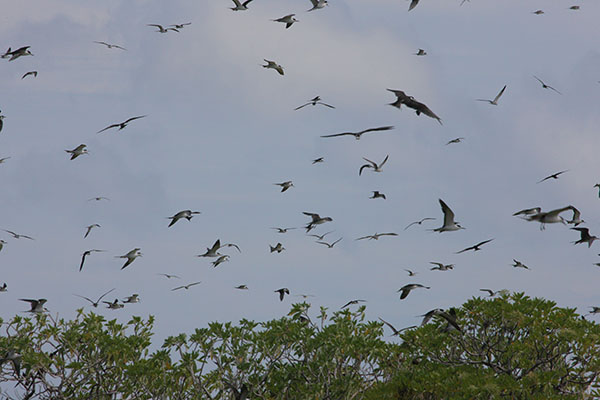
(111, 46)
(318, 4)
(273, 65)
(37, 306)
(220, 260)
(316, 220)
(449, 223)
(95, 303)
(186, 287)
(288, 20)
(376, 236)
(441, 267)
(407, 288)
(161, 29)
(77, 151)
(585, 236)
(134, 298)
(284, 185)
(282, 292)
(352, 302)
(377, 195)
(549, 217)
(17, 235)
(130, 256)
(187, 214)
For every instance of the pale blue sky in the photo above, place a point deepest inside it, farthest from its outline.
(220, 130)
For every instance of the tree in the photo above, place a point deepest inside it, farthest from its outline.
(509, 347)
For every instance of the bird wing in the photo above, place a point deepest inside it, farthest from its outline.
(381, 128)
(129, 261)
(467, 249)
(448, 214)
(324, 104)
(232, 245)
(101, 297)
(340, 134)
(373, 164)
(302, 106)
(134, 118)
(216, 246)
(405, 292)
(384, 161)
(413, 4)
(482, 243)
(86, 298)
(85, 253)
(499, 94)
(109, 127)
(396, 332)
(177, 288)
(411, 224)
(160, 26)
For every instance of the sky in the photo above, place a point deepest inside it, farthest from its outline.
(220, 130)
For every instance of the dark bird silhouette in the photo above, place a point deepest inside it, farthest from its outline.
(282, 292)
(313, 102)
(94, 303)
(553, 176)
(357, 135)
(410, 102)
(121, 125)
(475, 247)
(546, 86)
(407, 288)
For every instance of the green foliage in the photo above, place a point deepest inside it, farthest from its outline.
(509, 347)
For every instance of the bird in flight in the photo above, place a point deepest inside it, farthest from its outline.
(374, 165)
(85, 254)
(357, 135)
(284, 185)
(316, 220)
(17, 236)
(20, 52)
(169, 276)
(321, 237)
(186, 287)
(495, 101)
(220, 260)
(278, 248)
(111, 46)
(318, 4)
(396, 331)
(376, 236)
(419, 222)
(187, 214)
(457, 140)
(241, 287)
(410, 102)
(549, 217)
(413, 4)
(121, 125)
(519, 264)
(585, 236)
(330, 245)
(449, 223)
(77, 151)
(95, 303)
(538, 12)
(449, 316)
(283, 230)
(115, 305)
(545, 86)
(474, 247)
(130, 256)
(553, 176)
(490, 291)
(3, 159)
(181, 26)
(212, 251)
(89, 229)
(30, 73)
(163, 30)
(99, 198)
(421, 52)
(37, 306)
(441, 267)
(407, 288)
(282, 292)
(313, 102)
(288, 20)
(411, 273)
(351, 302)
(377, 195)
(134, 298)
(322, 159)
(240, 6)
(273, 65)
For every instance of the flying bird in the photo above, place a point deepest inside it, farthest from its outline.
(212, 251)
(14, 358)
(89, 228)
(377, 195)
(410, 102)
(111, 46)
(220, 260)
(37, 306)
(598, 186)
(17, 236)
(407, 288)
(330, 245)
(186, 287)
(419, 222)
(164, 30)
(321, 237)
(2, 243)
(550, 217)
(283, 230)
(2, 160)
(351, 302)
(545, 86)
(457, 140)
(574, 8)
(278, 248)
(396, 331)
(130, 256)
(181, 26)
(585, 236)
(495, 101)
(121, 125)
(134, 298)
(411, 273)
(1, 121)
(441, 267)
(20, 52)
(313, 102)
(273, 65)
(474, 247)
(519, 264)
(288, 20)
(413, 4)
(576, 220)
(240, 6)
(99, 198)
(449, 316)
(491, 292)
(322, 159)
(373, 165)
(316, 220)
(421, 52)
(85, 254)
(449, 223)
(357, 135)
(30, 73)
(284, 185)
(376, 236)
(115, 305)
(282, 292)
(241, 287)
(77, 151)
(4, 287)
(169, 276)
(538, 12)
(318, 4)
(187, 214)
(95, 303)
(553, 176)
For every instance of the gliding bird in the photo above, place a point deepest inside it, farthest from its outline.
(121, 125)
(410, 102)
(313, 102)
(357, 135)
(546, 86)
(111, 46)
(374, 165)
(288, 20)
(187, 214)
(449, 223)
(495, 101)
(474, 247)
(94, 303)
(130, 256)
